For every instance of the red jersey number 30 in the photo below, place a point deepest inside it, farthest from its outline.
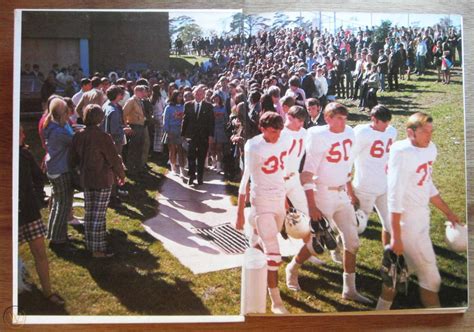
(272, 164)
(339, 151)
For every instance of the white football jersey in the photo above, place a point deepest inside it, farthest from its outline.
(328, 155)
(410, 185)
(370, 153)
(265, 166)
(297, 141)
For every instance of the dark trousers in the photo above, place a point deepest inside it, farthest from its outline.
(197, 151)
(349, 85)
(393, 77)
(135, 149)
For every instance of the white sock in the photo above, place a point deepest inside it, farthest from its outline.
(275, 296)
(383, 304)
(293, 265)
(348, 283)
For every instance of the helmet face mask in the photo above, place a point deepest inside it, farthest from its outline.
(394, 271)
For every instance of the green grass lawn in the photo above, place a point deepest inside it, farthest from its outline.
(145, 279)
(182, 62)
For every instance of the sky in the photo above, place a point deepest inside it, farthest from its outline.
(218, 21)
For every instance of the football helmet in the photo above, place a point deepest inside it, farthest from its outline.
(362, 220)
(394, 271)
(296, 224)
(456, 237)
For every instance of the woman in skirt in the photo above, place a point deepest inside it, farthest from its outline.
(221, 119)
(31, 227)
(174, 112)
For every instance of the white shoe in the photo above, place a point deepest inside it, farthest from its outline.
(279, 309)
(336, 256)
(218, 167)
(315, 260)
(355, 296)
(173, 170)
(292, 279)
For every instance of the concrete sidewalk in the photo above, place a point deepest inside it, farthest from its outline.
(183, 210)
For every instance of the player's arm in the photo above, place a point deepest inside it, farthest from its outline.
(315, 152)
(397, 182)
(441, 205)
(396, 242)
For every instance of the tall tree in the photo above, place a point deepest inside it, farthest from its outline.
(248, 24)
(381, 32)
(280, 20)
(177, 24)
(253, 23)
(190, 31)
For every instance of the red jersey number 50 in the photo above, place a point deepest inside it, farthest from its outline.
(339, 151)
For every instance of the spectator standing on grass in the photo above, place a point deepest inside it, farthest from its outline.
(382, 68)
(113, 125)
(393, 69)
(421, 51)
(158, 103)
(58, 142)
(134, 116)
(100, 165)
(31, 228)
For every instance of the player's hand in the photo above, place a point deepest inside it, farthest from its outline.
(397, 246)
(315, 213)
(453, 218)
(240, 222)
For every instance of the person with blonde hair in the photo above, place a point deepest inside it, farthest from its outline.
(58, 142)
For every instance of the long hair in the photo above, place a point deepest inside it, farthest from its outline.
(155, 94)
(56, 108)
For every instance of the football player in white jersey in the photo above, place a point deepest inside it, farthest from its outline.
(410, 190)
(265, 156)
(296, 134)
(370, 153)
(328, 157)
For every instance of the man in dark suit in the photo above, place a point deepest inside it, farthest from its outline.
(315, 116)
(198, 129)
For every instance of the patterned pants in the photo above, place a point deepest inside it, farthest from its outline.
(60, 208)
(96, 201)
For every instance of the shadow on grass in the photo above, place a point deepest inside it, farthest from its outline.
(34, 303)
(131, 276)
(298, 304)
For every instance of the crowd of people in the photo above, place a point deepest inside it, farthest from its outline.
(107, 126)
